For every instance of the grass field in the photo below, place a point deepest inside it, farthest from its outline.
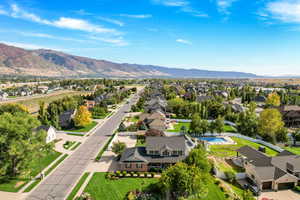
(295, 150)
(85, 129)
(101, 188)
(229, 150)
(177, 127)
(16, 184)
(33, 103)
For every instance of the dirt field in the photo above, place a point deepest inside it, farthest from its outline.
(32, 103)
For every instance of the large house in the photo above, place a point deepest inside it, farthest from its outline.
(155, 120)
(291, 115)
(66, 118)
(159, 152)
(270, 173)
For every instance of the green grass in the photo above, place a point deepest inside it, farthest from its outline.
(101, 188)
(134, 119)
(295, 150)
(32, 185)
(78, 186)
(75, 146)
(99, 155)
(14, 185)
(87, 128)
(101, 116)
(177, 127)
(36, 182)
(229, 129)
(214, 193)
(229, 150)
(68, 144)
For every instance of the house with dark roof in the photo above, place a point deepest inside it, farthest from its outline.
(159, 152)
(291, 115)
(270, 173)
(66, 118)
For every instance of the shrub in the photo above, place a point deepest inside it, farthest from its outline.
(230, 176)
(152, 174)
(131, 196)
(297, 188)
(124, 173)
(118, 173)
(217, 182)
(131, 174)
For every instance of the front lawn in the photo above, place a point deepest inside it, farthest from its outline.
(85, 129)
(230, 150)
(14, 185)
(295, 150)
(229, 129)
(101, 188)
(177, 127)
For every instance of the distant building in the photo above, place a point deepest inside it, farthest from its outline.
(51, 132)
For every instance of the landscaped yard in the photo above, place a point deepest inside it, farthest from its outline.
(229, 150)
(140, 141)
(177, 127)
(295, 150)
(117, 189)
(85, 129)
(15, 185)
(101, 188)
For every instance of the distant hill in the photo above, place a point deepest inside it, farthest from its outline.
(18, 61)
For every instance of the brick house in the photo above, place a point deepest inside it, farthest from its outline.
(159, 152)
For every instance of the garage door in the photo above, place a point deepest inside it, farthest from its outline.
(267, 185)
(284, 186)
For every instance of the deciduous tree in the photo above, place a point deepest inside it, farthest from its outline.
(82, 117)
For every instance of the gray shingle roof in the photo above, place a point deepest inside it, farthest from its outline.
(157, 143)
(255, 157)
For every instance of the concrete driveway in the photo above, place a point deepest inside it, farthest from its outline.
(280, 195)
(108, 161)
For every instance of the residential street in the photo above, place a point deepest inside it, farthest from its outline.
(57, 185)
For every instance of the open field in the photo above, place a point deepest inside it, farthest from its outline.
(32, 103)
(229, 150)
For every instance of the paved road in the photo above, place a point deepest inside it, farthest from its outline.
(61, 181)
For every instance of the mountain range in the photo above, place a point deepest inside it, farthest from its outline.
(50, 63)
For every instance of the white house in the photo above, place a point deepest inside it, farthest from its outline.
(3, 95)
(51, 132)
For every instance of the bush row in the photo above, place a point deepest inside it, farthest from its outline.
(121, 174)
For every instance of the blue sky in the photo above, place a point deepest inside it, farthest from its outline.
(258, 36)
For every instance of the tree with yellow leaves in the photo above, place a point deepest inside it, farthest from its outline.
(82, 117)
(270, 123)
(273, 99)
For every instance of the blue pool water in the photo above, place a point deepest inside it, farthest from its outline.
(213, 139)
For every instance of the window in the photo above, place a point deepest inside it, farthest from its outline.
(175, 153)
(127, 165)
(180, 153)
(166, 153)
(139, 165)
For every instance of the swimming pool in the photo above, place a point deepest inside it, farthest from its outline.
(213, 139)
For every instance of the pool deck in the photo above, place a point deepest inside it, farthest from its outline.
(228, 141)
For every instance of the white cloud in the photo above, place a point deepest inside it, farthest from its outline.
(112, 21)
(62, 22)
(183, 41)
(114, 41)
(28, 46)
(172, 3)
(43, 35)
(183, 5)
(224, 5)
(287, 11)
(142, 16)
